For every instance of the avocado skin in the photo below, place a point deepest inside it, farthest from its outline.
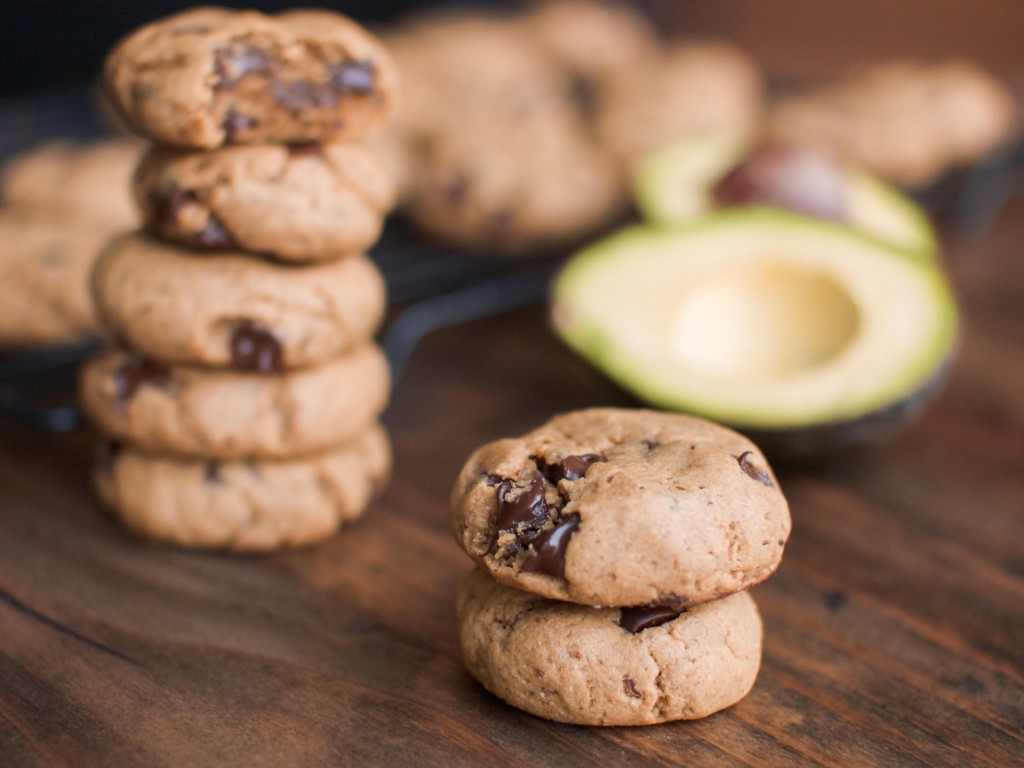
(819, 443)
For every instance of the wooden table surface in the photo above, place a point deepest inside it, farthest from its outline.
(894, 629)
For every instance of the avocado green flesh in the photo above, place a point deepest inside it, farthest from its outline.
(758, 318)
(673, 186)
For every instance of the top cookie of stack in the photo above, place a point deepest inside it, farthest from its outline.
(249, 387)
(210, 77)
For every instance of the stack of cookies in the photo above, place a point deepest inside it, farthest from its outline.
(614, 549)
(243, 396)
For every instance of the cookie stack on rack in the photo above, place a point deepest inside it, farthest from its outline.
(242, 399)
(615, 550)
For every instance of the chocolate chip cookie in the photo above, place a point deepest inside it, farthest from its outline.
(618, 507)
(192, 411)
(298, 202)
(233, 309)
(84, 184)
(608, 666)
(515, 186)
(45, 263)
(243, 505)
(906, 121)
(692, 90)
(210, 76)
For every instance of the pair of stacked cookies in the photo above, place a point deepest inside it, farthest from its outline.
(615, 548)
(244, 393)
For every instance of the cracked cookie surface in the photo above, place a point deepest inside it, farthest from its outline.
(210, 76)
(622, 507)
(243, 505)
(591, 666)
(300, 202)
(232, 309)
(193, 411)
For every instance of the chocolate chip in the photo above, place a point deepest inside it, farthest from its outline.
(650, 445)
(231, 65)
(255, 349)
(761, 475)
(302, 95)
(235, 123)
(214, 235)
(548, 555)
(305, 149)
(799, 180)
(630, 687)
(835, 600)
(106, 455)
(166, 204)
(354, 76)
(136, 372)
(211, 473)
(575, 467)
(492, 480)
(642, 617)
(522, 514)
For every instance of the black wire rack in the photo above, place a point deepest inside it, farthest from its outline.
(429, 287)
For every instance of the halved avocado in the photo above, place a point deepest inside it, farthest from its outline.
(677, 184)
(765, 320)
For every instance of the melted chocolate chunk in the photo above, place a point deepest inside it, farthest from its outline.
(522, 514)
(231, 65)
(642, 617)
(798, 180)
(214, 235)
(302, 95)
(255, 349)
(137, 372)
(167, 204)
(353, 76)
(630, 687)
(492, 480)
(235, 123)
(756, 473)
(305, 149)
(575, 467)
(548, 555)
(211, 473)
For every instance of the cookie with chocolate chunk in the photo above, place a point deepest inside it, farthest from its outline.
(192, 411)
(299, 202)
(621, 507)
(84, 184)
(45, 263)
(515, 186)
(245, 505)
(210, 76)
(234, 309)
(608, 666)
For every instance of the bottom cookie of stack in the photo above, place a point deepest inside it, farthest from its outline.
(608, 666)
(247, 505)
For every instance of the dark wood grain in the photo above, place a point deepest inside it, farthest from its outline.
(894, 628)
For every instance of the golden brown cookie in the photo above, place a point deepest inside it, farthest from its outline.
(210, 76)
(694, 89)
(621, 507)
(207, 412)
(233, 309)
(244, 505)
(305, 202)
(86, 184)
(608, 666)
(45, 263)
(905, 121)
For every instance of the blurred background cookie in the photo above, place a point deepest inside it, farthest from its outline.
(906, 121)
